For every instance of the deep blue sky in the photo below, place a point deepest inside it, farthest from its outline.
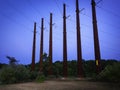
(18, 16)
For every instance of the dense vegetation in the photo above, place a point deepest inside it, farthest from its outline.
(15, 73)
(111, 73)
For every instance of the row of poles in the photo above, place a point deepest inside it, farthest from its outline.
(79, 49)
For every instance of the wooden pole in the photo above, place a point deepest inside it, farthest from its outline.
(79, 50)
(33, 49)
(50, 47)
(41, 45)
(65, 71)
(96, 39)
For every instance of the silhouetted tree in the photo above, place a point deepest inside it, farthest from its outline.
(12, 60)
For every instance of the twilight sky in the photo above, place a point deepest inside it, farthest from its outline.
(18, 16)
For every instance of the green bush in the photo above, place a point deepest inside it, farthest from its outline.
(7, 75)
(22, 74)
(17, 74)
(40, 78)
(110, 73)
(33, 75)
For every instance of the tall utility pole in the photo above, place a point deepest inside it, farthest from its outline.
(50, 47)
(79, 50)
(96, 39)
(65, 71)
(33, 49)
(41, 45)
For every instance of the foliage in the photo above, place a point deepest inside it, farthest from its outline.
(110, 73)
(12, 60)
(58, 68)
(15, 73)
(104, 63)
(40, 78)
(33, 75)
(89, 68)
(22, 74)
(7, 75)
(72, 68)
(45, 67)
(2, 65)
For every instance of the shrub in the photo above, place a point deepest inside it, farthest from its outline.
(7, 75)
(22, 74)
(33, 75)
(110, 73)
(40, 78)
(17, 74)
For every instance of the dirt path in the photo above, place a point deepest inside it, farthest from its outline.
(61, 85)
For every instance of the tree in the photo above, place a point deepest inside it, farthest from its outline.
(12, 60)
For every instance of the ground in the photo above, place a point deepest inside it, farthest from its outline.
(62, 85)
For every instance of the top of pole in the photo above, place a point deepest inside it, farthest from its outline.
(64, 4)
(77, 6)
(34, 25)
(93, 2)
(64, 10)
(50, 14)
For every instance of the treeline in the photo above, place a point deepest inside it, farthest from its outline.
(15, 73)
(89, 67)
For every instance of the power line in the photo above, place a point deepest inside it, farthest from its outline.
(100, 21)
(89, 26)
(56, 2)
(19, 11)
(108, 11)
(111, 25)
(22, 14)
(14, 21)
(90, 37)
(34, 8)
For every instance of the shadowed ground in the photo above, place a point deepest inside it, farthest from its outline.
(62, 85)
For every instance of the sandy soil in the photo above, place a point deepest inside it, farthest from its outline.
(61, 85)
